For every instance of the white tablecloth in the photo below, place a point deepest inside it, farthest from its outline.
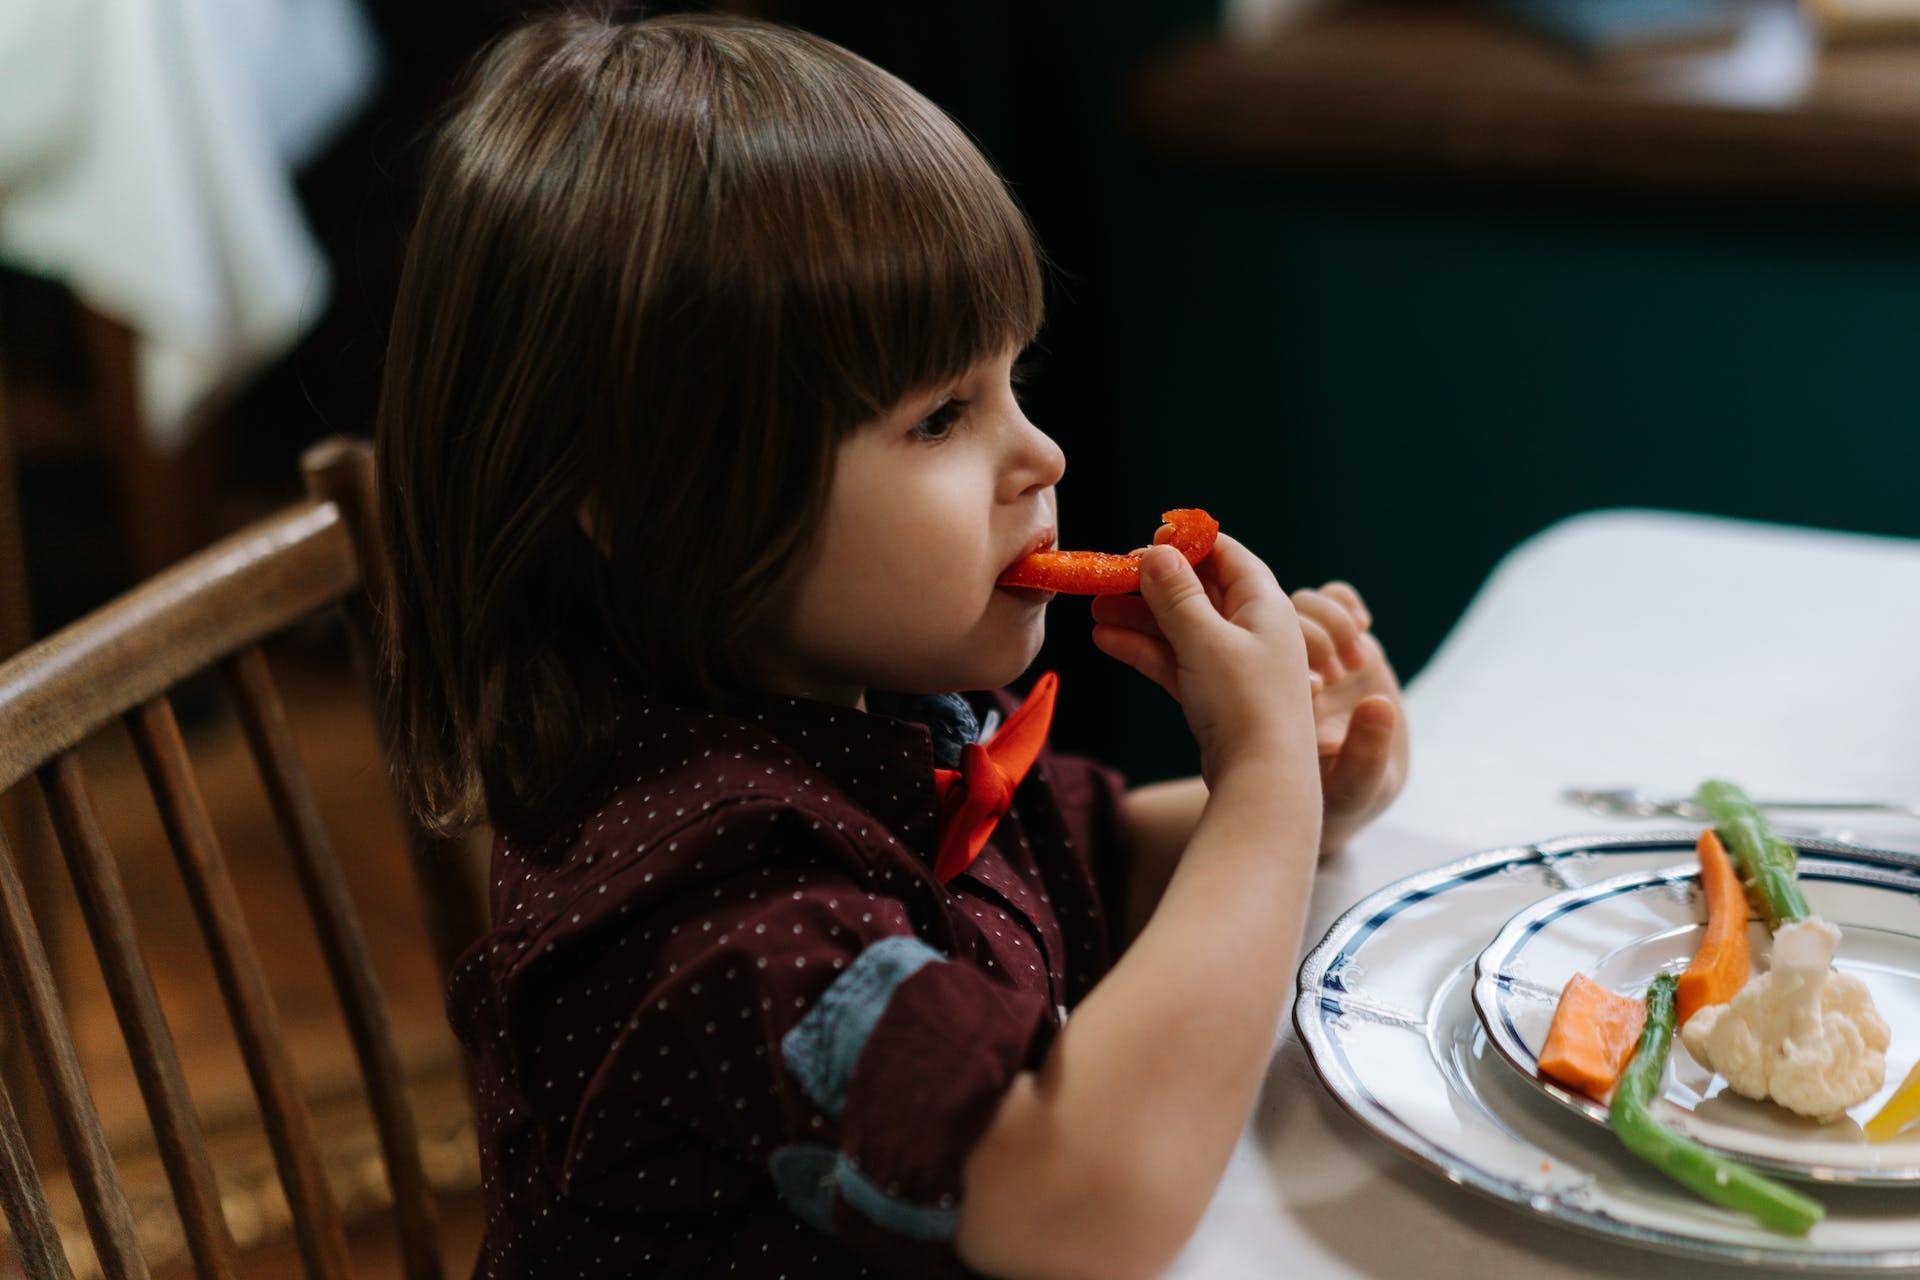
(147, 153)
(1619, 648)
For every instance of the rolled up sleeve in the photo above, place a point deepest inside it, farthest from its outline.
(910, 1054)
(804, 1025)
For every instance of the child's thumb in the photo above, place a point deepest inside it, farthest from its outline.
(1172, 590)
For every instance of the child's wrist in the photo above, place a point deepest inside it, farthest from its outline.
(1267, 761)
(1272, 786)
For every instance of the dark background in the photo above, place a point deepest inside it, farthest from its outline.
(1387, 379)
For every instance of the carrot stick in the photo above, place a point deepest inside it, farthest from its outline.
(1594, 1033)
(1720, 966)
(1098, 573)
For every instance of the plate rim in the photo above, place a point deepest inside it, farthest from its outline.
(1499, 1029)
(1383, 1123)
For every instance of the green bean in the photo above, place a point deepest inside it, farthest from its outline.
(1723, 1181)
(1768, 864)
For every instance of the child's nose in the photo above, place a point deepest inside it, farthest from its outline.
(1039, 461)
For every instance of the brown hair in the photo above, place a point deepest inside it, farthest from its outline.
(660, 269)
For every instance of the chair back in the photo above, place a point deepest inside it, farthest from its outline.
(212, 610)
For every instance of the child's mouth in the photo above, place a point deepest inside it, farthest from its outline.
(1041, 541)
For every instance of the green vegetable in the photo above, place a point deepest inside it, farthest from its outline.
(1723, 1181)
(1767, 863)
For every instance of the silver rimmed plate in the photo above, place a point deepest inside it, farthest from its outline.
(1385, 1012)
(1623, 930)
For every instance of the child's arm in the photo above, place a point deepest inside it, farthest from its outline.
(1101, 1163)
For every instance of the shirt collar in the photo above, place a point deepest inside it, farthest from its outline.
(949, 719)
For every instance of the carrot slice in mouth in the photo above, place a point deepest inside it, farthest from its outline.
(1099, 573)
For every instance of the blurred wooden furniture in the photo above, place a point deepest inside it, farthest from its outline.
(71, 386)
(17, 814)
(213, 609)
(1441, 88)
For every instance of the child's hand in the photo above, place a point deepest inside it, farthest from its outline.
(1225, 641)
(1358, 718)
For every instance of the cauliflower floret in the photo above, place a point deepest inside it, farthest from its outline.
(1801, 1034)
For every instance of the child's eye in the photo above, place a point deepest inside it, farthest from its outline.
(939, 424)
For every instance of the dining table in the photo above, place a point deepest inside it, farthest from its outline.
(1629, 647)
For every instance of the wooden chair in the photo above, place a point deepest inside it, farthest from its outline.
(213, 609)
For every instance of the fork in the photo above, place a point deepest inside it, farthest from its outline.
(1631, 802)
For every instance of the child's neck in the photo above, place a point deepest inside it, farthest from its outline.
(775, 670)
(795, 685)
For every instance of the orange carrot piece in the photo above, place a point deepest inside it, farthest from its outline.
(1593, 1035)
(1099, 573)
(1720, 966)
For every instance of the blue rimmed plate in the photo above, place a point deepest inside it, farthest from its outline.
(1385, 1012)
(1623, 930)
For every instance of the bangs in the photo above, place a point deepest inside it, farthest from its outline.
(907, 260)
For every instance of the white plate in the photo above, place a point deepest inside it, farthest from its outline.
(1622, 931)
(1386, 1015)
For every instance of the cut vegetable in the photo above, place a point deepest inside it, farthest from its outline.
(1767, 863)
(1723, 1181)
(1098, 573)
(1720, 966)
(1593, 1034)
(1902, 1109)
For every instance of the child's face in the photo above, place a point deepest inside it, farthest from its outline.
(929, 505)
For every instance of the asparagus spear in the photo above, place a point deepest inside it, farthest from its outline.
(1719, 1179)
(1767, 863)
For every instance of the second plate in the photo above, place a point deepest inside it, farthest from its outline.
(1622, 931)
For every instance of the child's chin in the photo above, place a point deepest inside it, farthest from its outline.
(1013, 660)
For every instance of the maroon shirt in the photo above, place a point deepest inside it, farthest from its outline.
(729, 1024)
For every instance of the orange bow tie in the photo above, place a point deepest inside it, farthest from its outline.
(974, 797)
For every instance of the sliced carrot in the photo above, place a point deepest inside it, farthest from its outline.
(1720, 966)
(1099, 573)
(1594, 1033)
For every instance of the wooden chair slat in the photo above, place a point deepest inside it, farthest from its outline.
(35, 1239)
(341, 471)
(36, 1006)
(316, 1216)
(236, 592)
(120, 661)
(156, 1062)
(270, 737)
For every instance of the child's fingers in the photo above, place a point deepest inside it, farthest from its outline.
(1350, 600)
(1336, 618)
(1241, 578)
(1356, 775)
(1214, 592)
(1152, 658)
(1126, 611)
(1320, 653)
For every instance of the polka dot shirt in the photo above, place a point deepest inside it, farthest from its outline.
(727, 1022)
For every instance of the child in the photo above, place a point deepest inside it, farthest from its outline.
(699, 461)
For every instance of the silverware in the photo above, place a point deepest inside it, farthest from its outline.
(1630, 802)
